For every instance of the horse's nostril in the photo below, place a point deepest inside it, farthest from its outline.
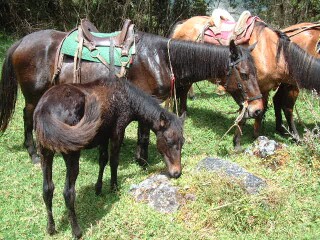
(176, 174)
(257, 113)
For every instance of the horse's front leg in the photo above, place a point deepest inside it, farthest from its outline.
(143, 144)
(258, 120)
(183, 98)
(237, 136)
(28, 137)
(116, 141)
(48, 186)
(103, 160)
(69, 193)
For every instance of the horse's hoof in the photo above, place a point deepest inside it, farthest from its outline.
(114, 187)
(142, 162)
(51, 229)
(35, 159)
(98, 188)
(281, 131)
(77, 233)
(238, 149)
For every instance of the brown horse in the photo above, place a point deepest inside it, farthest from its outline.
(71, 117)
(307, 36)
(30, 63)
(276, 59)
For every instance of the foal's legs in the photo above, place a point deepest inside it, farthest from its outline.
(28, 137)
(103, 160)
(116, 141)
(143, 144)
(48, 186)
(69, 193)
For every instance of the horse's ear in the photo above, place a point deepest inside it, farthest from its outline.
(164, 121)
(251, 47)
(183, 117)
(233, 50)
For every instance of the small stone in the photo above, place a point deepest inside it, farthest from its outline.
(158, 192)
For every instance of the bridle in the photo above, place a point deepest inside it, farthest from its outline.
(232, 66)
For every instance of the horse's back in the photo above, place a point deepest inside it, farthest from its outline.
(306, 39)
(34, 58)
(190, 29)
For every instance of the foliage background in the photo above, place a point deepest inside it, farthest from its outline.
(25, 16)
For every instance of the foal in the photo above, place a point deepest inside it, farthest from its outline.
(72, 117)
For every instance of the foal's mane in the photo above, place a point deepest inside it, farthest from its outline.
(142, 102)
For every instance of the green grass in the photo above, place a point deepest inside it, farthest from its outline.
(287, 209)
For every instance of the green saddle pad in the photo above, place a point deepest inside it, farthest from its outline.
(70, 45)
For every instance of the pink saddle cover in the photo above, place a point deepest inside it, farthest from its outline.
(223, 35)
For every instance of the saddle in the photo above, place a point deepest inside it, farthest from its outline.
(88, 36)
(225, 30)
(123, 40)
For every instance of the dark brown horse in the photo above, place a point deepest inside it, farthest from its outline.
(71, 117)
(307, 36)
(277, 60)
(30, 63)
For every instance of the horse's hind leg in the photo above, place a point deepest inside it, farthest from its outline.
(285, 99)
(48, 186)
(103, 160)
(28, 137)
(143, 144)
(289, 100)
(69, 193)
(277, 104)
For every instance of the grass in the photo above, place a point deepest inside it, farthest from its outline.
(287, 209)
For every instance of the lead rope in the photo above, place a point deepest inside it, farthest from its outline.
(238, 119)
(173, 93)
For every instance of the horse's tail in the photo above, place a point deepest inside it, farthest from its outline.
(8, 89)
(60, 137)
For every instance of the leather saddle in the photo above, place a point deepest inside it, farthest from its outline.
(123, 40)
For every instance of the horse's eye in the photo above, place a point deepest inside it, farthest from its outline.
(244, 76)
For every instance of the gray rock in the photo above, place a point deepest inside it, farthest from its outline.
(158, 192)
(251, 183)
(264, 147)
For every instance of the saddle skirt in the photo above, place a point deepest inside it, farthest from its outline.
(70, 47)
(228, 30)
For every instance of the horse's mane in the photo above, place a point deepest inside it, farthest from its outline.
(303, 67)
(203, 60)
(206, 58)
(140, 101)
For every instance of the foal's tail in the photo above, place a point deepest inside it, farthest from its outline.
(8, 89)
(60, 137)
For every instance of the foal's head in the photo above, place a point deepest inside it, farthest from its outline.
(241, 80)
(170, 140)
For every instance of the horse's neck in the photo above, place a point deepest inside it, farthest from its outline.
(195, 62)
(303, 67)
(143, 107)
